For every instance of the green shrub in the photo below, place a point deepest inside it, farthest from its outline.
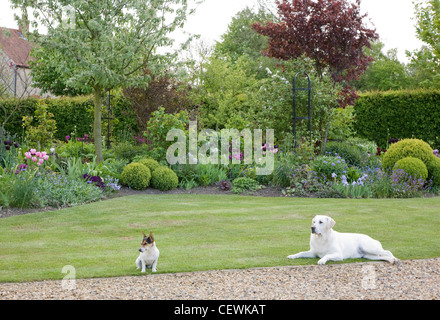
(164, 179)
(159, 125)
(136, 176)
(407, 148)
(244, 184)
(434, 170)
(412, 166)
(128, 151)
(150, 164)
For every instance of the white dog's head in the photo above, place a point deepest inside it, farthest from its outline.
(322, 224)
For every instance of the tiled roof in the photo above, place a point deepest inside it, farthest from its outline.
(15, 46)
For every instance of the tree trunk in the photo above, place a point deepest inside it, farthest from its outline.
(97, 127)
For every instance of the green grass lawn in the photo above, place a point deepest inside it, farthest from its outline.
(202, 232)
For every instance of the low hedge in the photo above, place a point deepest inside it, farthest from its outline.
(70, 113)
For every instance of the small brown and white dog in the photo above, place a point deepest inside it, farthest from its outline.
(149, 254)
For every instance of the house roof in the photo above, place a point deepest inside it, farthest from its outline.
(15, 46)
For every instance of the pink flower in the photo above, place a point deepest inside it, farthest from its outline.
(40, 162)
(38, 154)
(34, 159)
(33, 151)
(46, 157)
(28, 155)
(43, 154)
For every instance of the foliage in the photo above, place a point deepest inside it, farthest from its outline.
(158, 127)
(414, 167)
(9, 149)
(427, 28)
(60, 191)
(434, 170)
(209, 174)
(341, 126)
(71, 147)
(397, 184)
(385, 72)
(150, 164)
(105, 46)
(398, 114)
(164, 179)
(136, 176)
(331, 33)
(285, 164)
(187, 175)
(42, 135)
(243, 184)
(228, 96)
(329, 165)
(424, 68)
(165, 91)
(306, 182)
(415, 148)
(275, 98)
(352, 154)
(126, 151)
(34, 189)
(242, 42)
(357, 189)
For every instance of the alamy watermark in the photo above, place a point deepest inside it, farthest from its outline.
(69, 281)
(216, 147)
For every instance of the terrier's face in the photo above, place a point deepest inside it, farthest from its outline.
(147, 242)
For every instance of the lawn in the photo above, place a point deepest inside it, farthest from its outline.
(202, 232)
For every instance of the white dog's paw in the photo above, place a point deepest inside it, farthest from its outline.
(154, 270)
(322, 261)
(293, 256)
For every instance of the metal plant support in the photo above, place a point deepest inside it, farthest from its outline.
(295, 118)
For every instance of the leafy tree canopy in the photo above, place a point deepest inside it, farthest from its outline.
(330, 32)
(100, 45)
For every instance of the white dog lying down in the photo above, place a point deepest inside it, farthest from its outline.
(328, 244)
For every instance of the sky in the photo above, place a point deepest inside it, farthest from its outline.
(391, 18)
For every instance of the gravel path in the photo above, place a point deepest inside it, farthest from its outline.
(407, 280)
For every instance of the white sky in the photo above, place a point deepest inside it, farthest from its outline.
(392, 19)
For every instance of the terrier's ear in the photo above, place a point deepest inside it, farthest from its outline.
(151, 236)
(143, 233)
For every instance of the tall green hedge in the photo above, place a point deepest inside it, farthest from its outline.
(381, 116)
(70, 114)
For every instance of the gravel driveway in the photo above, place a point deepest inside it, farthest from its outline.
(407, 280)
